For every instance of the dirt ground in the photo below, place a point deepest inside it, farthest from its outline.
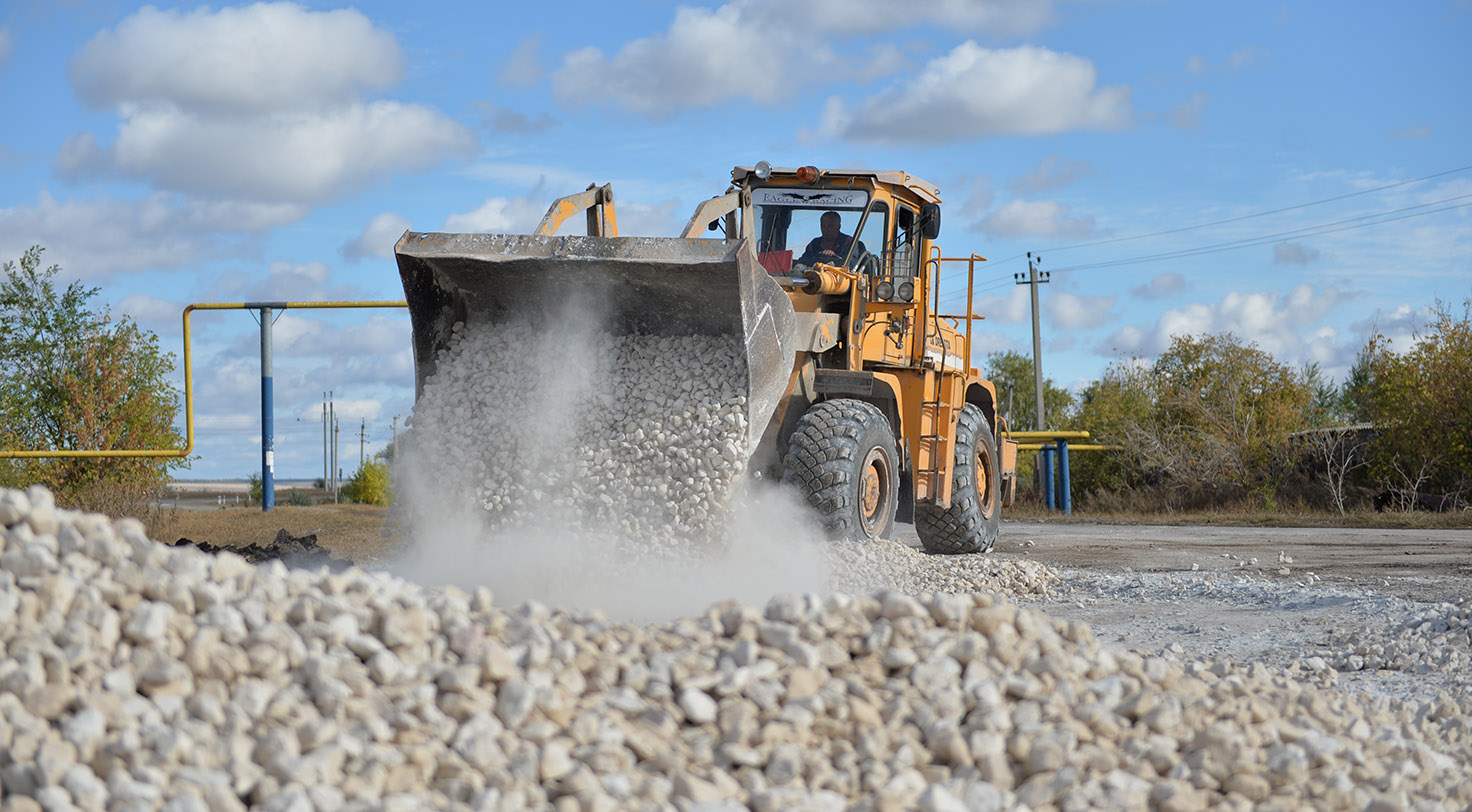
(1251, 594)
(1414, 564)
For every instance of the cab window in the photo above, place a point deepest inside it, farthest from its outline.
(906, 256)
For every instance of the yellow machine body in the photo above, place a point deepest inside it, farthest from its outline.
(867, 325)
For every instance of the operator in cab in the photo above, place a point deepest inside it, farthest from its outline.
(832, 246)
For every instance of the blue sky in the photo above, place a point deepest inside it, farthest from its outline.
(180, 153)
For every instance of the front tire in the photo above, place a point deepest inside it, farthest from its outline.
(974, 519)
(841, 457)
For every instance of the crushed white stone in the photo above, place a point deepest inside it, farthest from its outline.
(290, 689)
(637, 438)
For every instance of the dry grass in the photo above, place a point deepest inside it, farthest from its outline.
(348, 531)
(1246, 516)
(355, 532)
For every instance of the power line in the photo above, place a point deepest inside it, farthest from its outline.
(1181, 229)
(1257, 214)
(1349, 223)
(1311, 231)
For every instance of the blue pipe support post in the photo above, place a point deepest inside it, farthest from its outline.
(1065, 498)
(1045, 470)
(268, 428)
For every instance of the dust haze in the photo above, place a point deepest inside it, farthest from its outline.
(550, 460)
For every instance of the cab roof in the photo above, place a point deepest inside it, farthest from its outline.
(925, 189)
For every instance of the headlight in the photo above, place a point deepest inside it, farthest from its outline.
(884, 290)
(763, 170)
(907, 291)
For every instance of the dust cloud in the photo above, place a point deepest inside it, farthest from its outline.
(550, 460)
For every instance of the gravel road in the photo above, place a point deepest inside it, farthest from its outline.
(1251, 594)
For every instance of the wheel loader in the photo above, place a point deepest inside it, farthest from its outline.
(860, 389)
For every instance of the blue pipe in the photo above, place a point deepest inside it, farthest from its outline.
(268, 428)
(1045, 470)
(1065, 498)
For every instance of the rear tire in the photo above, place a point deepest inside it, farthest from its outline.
(841, 457)
(972, 522)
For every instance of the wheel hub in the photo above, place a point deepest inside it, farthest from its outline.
(874, 491)
(869, 491)
(983, 482)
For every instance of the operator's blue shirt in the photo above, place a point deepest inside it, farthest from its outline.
(842, 243)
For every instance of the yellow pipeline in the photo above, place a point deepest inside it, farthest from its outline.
(1071, 447)
(189, 381)
(1048, 435)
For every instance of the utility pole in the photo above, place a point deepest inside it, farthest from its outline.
(325, 461)
(1035, 278)
(336, 469)
(1045, 457)
(362, 440)
(332, 453)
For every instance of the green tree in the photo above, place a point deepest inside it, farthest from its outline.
(1113, 409)
(1012, 373)
(72, 378)
(1420, 404)
(370, 485)
(1223, 414)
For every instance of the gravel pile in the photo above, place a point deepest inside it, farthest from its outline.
(1436, 640)
(862, 567)
(135, 673)
(639, 438)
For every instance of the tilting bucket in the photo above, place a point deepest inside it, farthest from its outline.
(640, 285)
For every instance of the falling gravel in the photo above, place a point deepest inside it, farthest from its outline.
(616, 477)
(137, 675)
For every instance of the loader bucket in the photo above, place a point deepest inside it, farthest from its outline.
(644, 285)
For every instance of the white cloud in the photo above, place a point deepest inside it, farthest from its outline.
(996, 17)
(96, 239)
(1188, 114)
(1035, 218)
(500, 215)
(514, 122)
(974, 92)
(1053, 172)
(377, 239)
(286, 157)
(663, 219)
(266, 57)
(884, 59)
(308, 281)
(1248, 55)
(1010, 308)
(1199, 65)
(307, 336)
(1282, 324)
(163, 316)
(1161, 287)
(366, 409)
(262, 103)
(707, 56)
(1292, 253)
(1071, 311)
(5, 43)
(1399, 325)
(763, 51)
(523, 68)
